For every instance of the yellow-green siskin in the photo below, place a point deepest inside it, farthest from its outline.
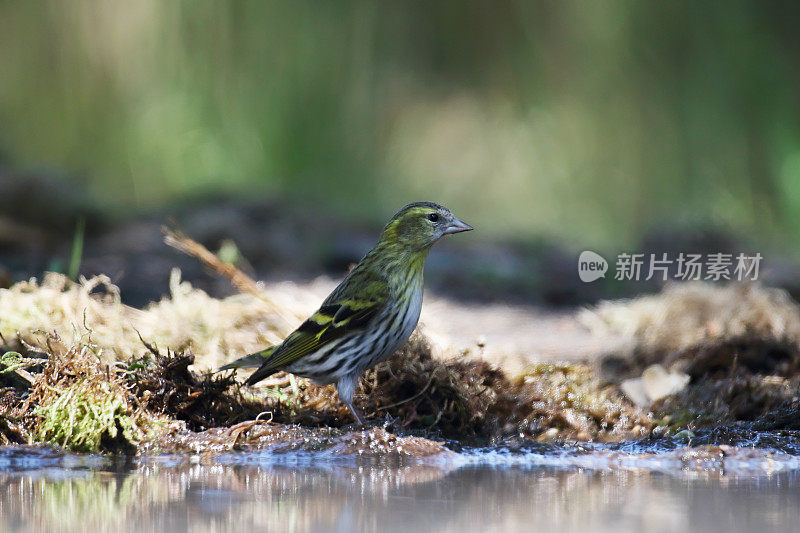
(370, 314)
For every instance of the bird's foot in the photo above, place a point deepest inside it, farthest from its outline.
(356, 415)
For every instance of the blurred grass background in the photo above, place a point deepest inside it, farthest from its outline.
(588, 122)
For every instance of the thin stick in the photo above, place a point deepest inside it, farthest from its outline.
(244, 283)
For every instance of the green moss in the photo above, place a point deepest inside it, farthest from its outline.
(11, 362)
(90, 415)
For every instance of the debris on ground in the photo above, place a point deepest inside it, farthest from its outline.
(372, 443)
(656, 383)
(216, 329)
(165, 385)
(81, 370)
(739, 344)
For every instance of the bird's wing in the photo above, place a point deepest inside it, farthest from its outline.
(254, 360)
(351, 306)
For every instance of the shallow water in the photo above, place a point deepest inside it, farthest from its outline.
(530, 488)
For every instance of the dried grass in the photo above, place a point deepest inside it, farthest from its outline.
(216, 330)
(413, 389)
(82, 400)
(685, 314)
(740, 343)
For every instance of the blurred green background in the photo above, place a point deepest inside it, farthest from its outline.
(589, 122)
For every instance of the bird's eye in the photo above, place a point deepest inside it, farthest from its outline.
(433, 217)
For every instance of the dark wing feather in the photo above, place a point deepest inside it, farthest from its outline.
(350, 307)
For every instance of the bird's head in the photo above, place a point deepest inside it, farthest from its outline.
(417, 226)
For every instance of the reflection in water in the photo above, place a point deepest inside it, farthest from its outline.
(300, 497)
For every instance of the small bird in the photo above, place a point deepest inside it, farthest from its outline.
(369, 315)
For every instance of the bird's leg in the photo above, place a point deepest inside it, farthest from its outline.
(346, 386)
(356, 414)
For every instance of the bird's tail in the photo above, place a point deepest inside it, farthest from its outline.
(254, 360)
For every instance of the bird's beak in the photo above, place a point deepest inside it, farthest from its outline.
(457, 227)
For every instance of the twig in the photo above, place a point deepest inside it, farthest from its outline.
(152, 348)
(237, 430)
(244, 283)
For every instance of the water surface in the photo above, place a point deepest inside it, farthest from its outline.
(583, 489)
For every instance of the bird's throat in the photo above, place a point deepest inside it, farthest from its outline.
(399, 263)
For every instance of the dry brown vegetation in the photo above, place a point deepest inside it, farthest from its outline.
(740, 344)
(86, 338)
(81, 370)
(684, 315)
